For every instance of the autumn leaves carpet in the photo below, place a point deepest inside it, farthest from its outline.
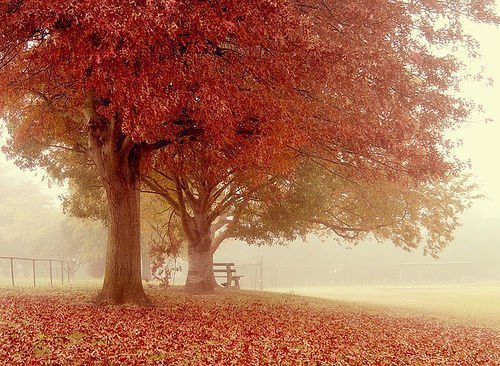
(228, 329)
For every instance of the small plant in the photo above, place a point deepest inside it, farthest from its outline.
(163, 270)
(165, 246)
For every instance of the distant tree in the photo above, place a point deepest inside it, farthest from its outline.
(203, 213)
(84, 242)
(311, 201)
(32, 225)
(29, 220)
(252, 84)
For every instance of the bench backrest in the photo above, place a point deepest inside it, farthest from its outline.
(227, 268)
(224, 270)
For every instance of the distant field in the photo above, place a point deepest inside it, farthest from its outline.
(472, 305)
(475, 305)
(44, 282)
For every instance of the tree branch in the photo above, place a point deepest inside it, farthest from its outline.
(156, 187)
(82, 151)
(146, 147)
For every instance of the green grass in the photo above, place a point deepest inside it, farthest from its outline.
(474, 305)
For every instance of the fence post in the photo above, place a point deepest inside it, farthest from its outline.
(34, 275)
(50, 269)
(12, 271)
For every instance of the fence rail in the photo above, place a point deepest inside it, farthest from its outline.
(60, 262)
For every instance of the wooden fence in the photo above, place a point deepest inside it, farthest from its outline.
(63, 265)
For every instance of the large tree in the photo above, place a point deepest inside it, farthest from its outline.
(207, 199)
(349, 83)
(84, 242)
(312, 200)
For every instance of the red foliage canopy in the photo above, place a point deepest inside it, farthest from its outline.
(353, 82)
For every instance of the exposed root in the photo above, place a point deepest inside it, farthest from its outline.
(117, 297)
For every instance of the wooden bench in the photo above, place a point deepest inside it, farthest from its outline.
(227, 271)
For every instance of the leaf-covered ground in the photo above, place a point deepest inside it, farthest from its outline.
(234, 328)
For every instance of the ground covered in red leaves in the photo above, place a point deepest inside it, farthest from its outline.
(233, 328)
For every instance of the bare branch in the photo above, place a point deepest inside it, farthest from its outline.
(54, 110)
(73, 149)
(156, 187)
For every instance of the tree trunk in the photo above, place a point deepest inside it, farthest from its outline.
(122, 274)
(117, 160)
(200, 278)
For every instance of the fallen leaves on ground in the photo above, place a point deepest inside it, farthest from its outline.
(232, 329)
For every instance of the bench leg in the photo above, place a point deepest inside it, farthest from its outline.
(236, 282)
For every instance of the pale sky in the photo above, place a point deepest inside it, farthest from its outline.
(481, 140)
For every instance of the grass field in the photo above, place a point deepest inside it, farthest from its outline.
(470, 304)
(44, 282)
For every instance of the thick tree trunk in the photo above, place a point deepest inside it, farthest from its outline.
(200, 278)
(117, 160)
(122, 274)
